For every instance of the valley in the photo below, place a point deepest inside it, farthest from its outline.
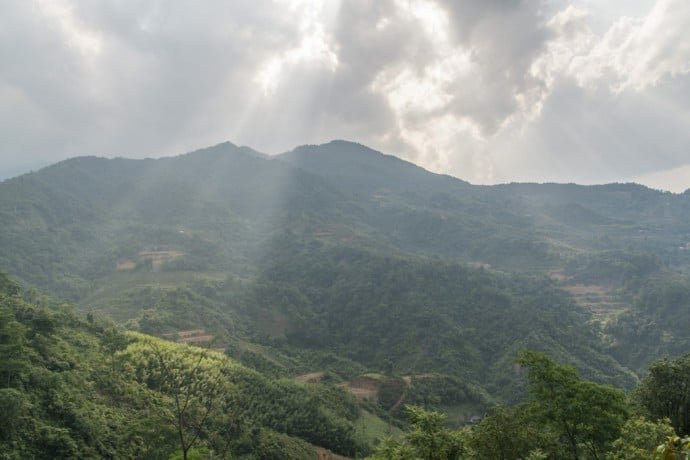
(353, 282)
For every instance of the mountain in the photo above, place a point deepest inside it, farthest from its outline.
(362, 170)
(338, 259)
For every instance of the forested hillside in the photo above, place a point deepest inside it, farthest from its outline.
(74, 388)
(340, 265)
(79, 388)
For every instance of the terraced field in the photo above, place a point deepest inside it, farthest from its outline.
(604, 302)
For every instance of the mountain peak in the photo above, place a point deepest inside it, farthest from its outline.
(337, 147)
(225, 148)
(363, 169)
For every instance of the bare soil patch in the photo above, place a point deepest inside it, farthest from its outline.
(312, 377)
(323, 454)
(362, 387)
(158, 258)
(557, 275)
(586, 289)
(126, 265)
(192, 336)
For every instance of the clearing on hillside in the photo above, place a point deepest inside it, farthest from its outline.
(191, 336)
(312, 377)
(362, 387)
(603, 302)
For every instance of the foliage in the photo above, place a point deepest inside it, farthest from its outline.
(613, 267)
(339, 249)
(655, 325)
(436, 390)
(376, 310)
(639, 439)
(665, 392)
(675, 448)
(585, 415)
(190, 385)
(330, 258)
(565, 418)
(511, 434)
(427, 439)
(80, 389)
(321, 416)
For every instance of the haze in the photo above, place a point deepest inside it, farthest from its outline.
(488, 91)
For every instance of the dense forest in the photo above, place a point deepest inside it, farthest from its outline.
(337, 301)
(77, 388)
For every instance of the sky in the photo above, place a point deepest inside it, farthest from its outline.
(489, 91)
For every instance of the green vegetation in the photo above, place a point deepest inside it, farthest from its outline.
(372, 429)
(80, 388)
(375, 277)
(665, 392)
(639, 437)
(427, 439)
(564, 418)
(74, 388)
(581, 414)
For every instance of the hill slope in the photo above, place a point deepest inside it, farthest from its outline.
(339, 254)
(74, 388)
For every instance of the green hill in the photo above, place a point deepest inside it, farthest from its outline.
(339, 259)
(74, 388)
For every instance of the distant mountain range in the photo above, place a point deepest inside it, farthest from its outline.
(339, 250)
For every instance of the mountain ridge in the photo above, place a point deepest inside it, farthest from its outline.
(280, 252)
(344, 142)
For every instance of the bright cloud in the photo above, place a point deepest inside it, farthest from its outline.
(635, 52)
(486, 90)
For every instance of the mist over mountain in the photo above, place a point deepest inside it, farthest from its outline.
(337, 260)
(447, 284)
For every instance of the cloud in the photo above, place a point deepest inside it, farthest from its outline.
(133, 78)
(613, 107)
(489, 90)
(558, 101)
(469, 81)
(593, 135)
(633, 54)
(673, 180)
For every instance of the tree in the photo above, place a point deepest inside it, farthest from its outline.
(586, 415)
(674, 448)
(427, 439)
(665, 392)
(14, 407)
(639, 438)
(509, 434)
(190, 384)
(12, 351)
(7, 286)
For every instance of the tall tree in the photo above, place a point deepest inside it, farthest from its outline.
(12, 335)
(509, 434)
(192, 380)
(640, 438)
(426, 440)
(665, 392)
(587, 416)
